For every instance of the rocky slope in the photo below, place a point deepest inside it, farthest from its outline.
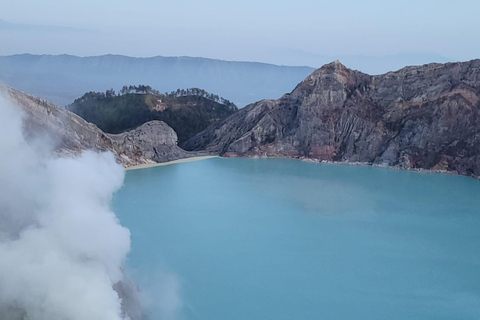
(70, 135)
(425, 117)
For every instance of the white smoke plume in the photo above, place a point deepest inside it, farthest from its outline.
(61, 247)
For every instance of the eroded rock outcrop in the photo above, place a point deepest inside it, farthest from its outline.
(70, 135)
(425, 117)
(152, 141)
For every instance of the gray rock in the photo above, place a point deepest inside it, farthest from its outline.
(152, 141)
(424, 117)
(129, 293)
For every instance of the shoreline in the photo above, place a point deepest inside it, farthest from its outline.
(152, 165)
(365, 164)
(311, 160)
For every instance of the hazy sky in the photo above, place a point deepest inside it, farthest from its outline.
(276, 31)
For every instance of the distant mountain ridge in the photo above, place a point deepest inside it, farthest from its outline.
(425, 117)
(63, 78)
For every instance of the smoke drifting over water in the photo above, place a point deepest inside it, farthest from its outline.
(61, 247)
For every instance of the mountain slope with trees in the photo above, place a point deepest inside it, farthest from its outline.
(187, 111)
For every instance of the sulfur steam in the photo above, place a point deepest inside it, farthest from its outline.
(61, 247)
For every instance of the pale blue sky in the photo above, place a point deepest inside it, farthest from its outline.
(281, 32)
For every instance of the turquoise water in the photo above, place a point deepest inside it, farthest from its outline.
(282, 239)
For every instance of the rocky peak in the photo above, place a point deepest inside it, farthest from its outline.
(334, 65)
(328, 88)
(424, 117)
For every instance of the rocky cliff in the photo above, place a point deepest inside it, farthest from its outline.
(70, 135)
(153, 141)
(425, 117)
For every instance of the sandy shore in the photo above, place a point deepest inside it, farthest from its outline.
(151, 165)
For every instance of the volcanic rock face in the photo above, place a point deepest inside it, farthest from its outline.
(425, 117)
(152, 142)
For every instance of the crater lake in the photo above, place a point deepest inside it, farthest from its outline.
(248, 239)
